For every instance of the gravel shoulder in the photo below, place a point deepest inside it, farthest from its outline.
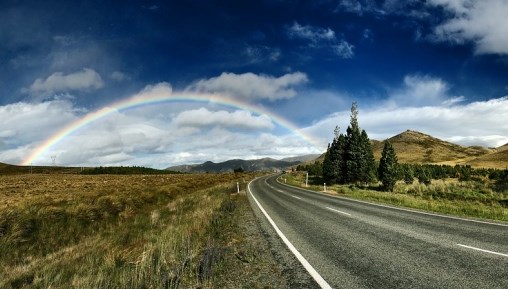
(255, 257)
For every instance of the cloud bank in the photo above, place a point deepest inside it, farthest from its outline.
(252, 86)
(482, 22)
(239, 119)
(87, 79)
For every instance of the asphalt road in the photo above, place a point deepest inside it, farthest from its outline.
(352, 244)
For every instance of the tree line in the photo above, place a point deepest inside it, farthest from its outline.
(134, 170)
(349, 159)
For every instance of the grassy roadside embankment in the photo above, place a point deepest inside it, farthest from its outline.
(157, 231)
(466, 199)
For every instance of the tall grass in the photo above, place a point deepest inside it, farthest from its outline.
(471, 199)
(74, 231)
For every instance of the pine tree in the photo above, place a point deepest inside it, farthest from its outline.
(424, 176)
(349, 158)
(353, 148)
(367, 163)
(408, 175)
(387, 170)
(333, 165)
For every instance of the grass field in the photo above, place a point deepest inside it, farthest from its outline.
(136, 231)
(470, 199)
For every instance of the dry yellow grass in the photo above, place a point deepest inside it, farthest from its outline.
(497, 160)
(103, 231)
(449, 196)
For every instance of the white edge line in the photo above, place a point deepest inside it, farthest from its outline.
(396, 208)
(483, 250)
(321, 282)
(335, 210)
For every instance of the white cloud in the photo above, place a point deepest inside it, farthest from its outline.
(485, 23)
(87, 79)
(454, 100)
(322, 37)
(423, 90)
(24, 125)
(23, 122)
(261, 54)
(252, 86)
(477, 123)
(312, 33)
(241, 119)
(344, 49)
(352, 6)
(119, 76)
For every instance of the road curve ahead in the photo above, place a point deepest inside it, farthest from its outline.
(352, 244)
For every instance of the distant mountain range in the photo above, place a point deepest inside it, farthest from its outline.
(263, 164)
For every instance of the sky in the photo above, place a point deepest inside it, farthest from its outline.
(243, 79)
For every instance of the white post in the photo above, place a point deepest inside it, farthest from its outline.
(237, 188)
(306, 179)
(284, 180)
(324, 186)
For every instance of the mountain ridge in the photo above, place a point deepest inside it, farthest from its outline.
(262, 164)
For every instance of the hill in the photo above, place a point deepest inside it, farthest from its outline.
(417, 147)
(230, 165)
(503, 147)
(497, 160)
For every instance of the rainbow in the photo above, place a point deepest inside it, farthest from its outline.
(152, 95)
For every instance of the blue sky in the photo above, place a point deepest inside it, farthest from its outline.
(436, 66)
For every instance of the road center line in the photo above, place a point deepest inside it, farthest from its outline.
(483, 250)
(321, 282)
(296, 197)
(338, 211)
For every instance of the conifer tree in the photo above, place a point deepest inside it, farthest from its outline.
(333, 165)
(408, 175)
(349, 158)
(352, 149)
(387, 170)
(368, 163)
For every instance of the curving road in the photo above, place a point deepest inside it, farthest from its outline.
(345, 243)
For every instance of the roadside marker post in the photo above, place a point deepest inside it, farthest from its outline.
(237, 188)
(306, 179)
(324, 187)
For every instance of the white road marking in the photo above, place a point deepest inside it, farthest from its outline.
(483, 250)
(321, 282)
(296, 197)
(397, 208)
(335, 210)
